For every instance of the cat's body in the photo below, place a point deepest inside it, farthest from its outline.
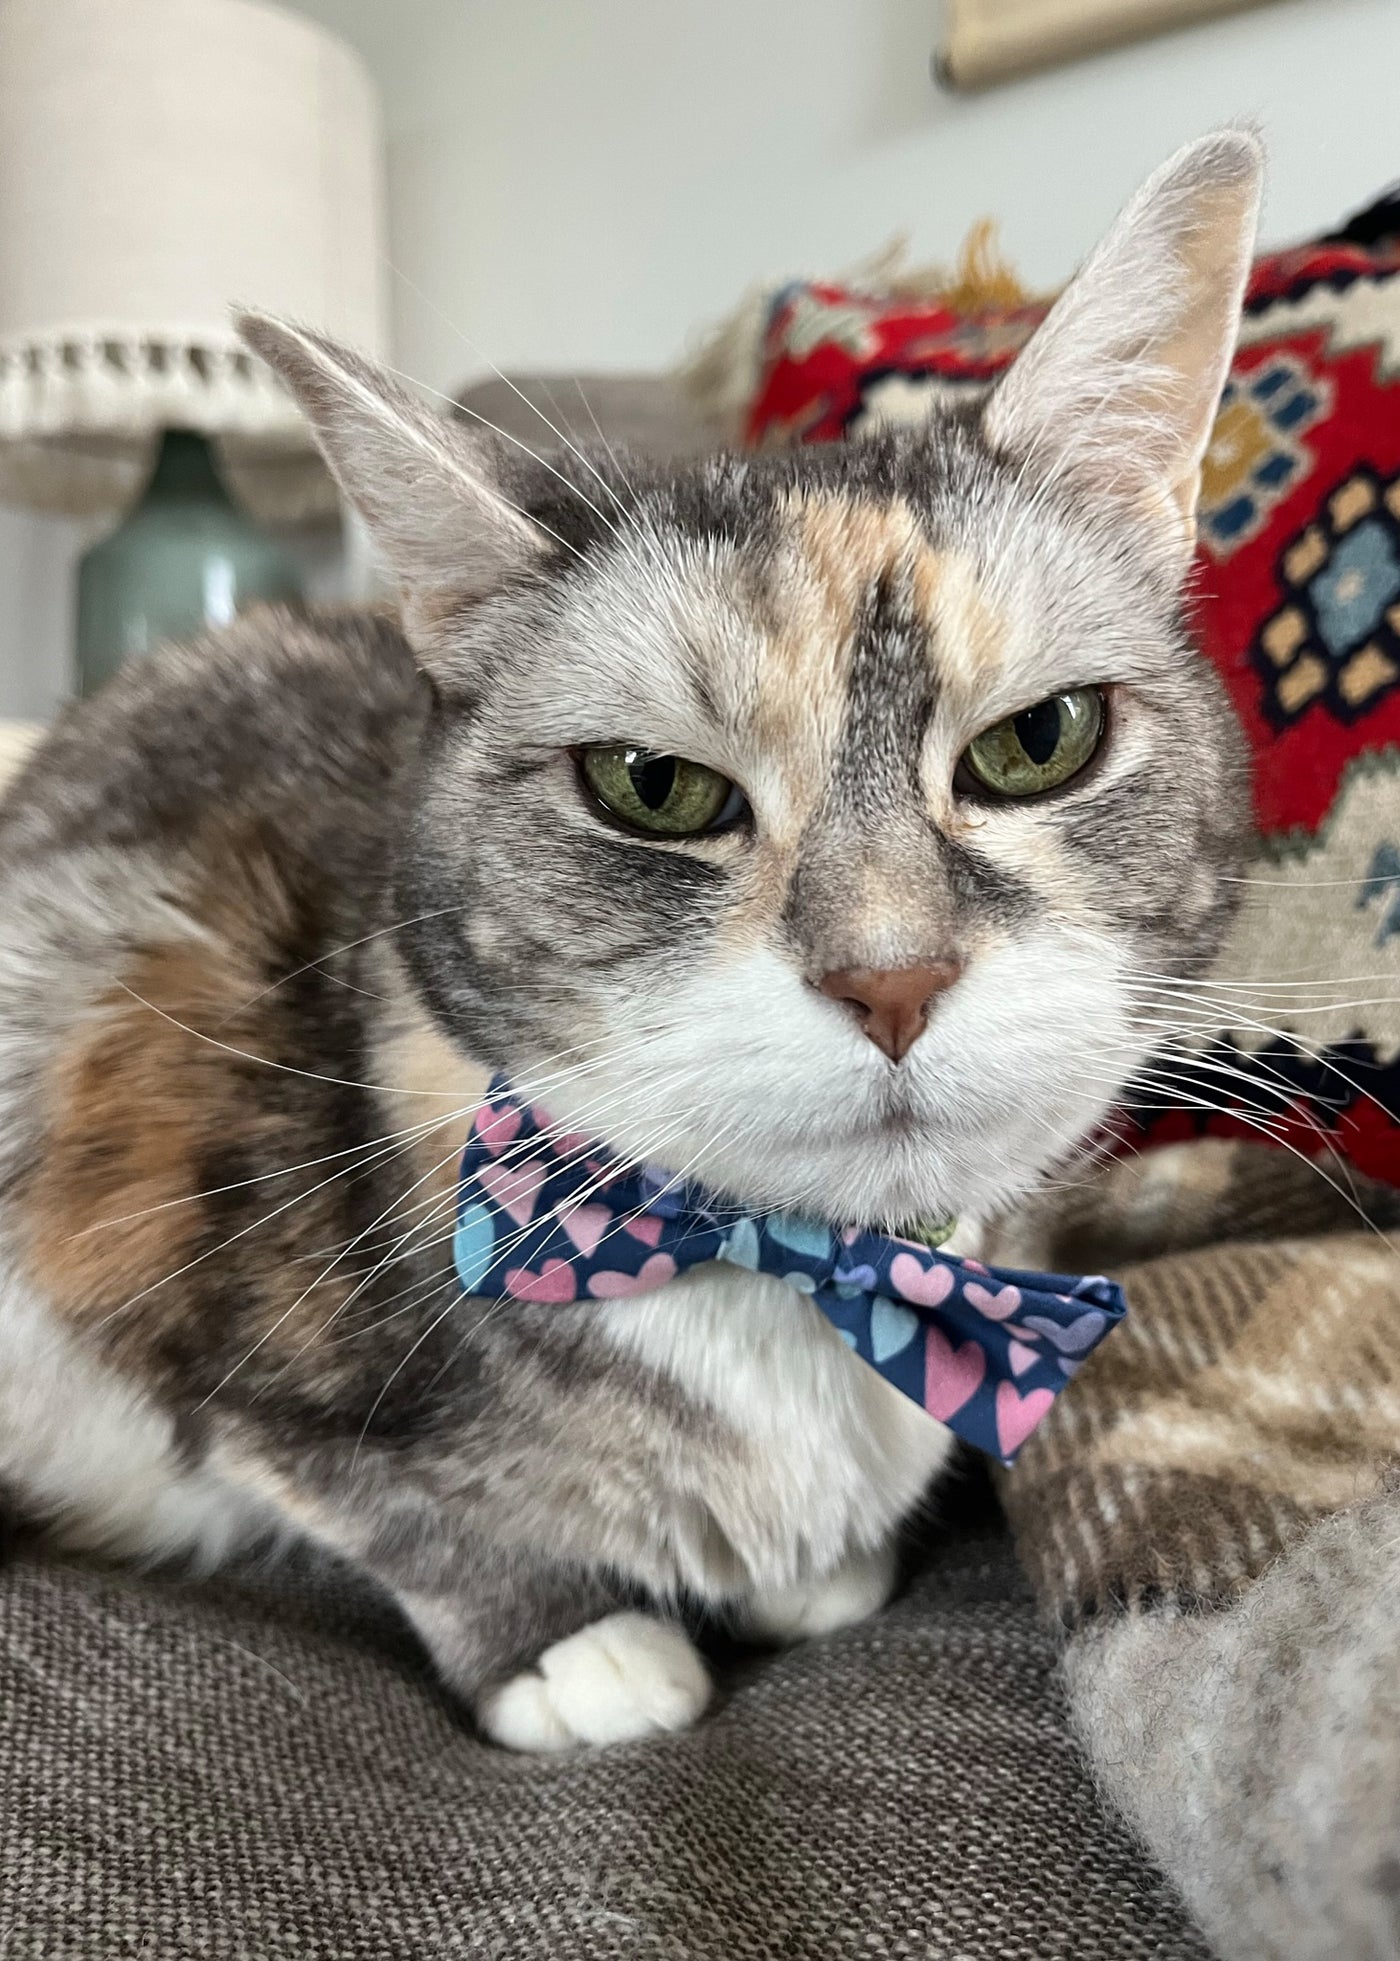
(273, 908)
(223, 818)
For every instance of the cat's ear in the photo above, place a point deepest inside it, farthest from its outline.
(1117, 391)
(428, 490)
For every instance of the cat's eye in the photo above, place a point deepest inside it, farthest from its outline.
(1038, 750)
(661, 796)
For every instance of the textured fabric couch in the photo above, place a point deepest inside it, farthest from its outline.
(262, 1769)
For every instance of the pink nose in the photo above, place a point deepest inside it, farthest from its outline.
(891, 1003)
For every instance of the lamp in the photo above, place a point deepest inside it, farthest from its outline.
(161, 161)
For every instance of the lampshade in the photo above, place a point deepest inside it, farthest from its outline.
(160, 162)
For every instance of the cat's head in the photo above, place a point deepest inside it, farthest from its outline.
(803, 821)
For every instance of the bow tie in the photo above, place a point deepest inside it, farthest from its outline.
(543, 1215)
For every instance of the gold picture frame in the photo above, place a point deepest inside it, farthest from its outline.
(990, 41)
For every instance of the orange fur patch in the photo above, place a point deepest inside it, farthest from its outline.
(131, 1105)
(153, 1082)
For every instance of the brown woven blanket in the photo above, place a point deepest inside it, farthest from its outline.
(1209, 1515)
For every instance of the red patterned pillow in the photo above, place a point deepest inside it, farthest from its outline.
(1298, 605)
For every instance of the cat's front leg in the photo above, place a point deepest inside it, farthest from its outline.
(546, 1651)
(548, 1658)
(806, 1609)
(626, 1676)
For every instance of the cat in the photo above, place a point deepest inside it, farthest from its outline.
(792, 820)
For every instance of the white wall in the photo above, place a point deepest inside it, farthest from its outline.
(584, 182)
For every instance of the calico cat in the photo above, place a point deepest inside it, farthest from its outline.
(795, 821)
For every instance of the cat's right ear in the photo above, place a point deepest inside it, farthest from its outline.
(428, 490)
(1116, 393)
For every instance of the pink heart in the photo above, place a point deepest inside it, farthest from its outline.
(655, 1273)
(928, 1286)
(497, 1126)
(998, 1306)
(556, 1281)
(952, 1376)
(648, 1228)
(1017, 1415)
(586, 1225)
(1021, 1357)
(514, 1187)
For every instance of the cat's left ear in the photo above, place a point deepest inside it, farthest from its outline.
(1117, 392)
(429, 490)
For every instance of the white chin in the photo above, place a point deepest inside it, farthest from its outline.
(908, 1173)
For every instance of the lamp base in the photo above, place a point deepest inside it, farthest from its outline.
(185, 558)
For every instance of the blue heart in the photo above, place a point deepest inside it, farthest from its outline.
(892, 1328)
(804, 1282)
(807, 1237)
(1078, 1338)
(474, 1246)
(848, 1335)
(741, 1247)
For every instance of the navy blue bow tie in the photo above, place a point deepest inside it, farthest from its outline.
(547, 1216)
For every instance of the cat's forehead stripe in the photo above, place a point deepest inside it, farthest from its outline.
(841, 551)
(854, 549)
(852, 544)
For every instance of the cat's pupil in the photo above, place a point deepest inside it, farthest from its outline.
(653, 777)
(1038, 731)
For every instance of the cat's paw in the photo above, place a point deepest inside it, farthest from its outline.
(621, 1678)
(851, 1592)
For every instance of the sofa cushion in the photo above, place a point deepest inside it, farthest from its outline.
(265, 1768)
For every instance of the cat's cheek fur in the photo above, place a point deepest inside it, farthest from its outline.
(1020, 1061)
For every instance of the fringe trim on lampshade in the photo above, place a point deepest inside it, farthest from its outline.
(81, 413)
(721, 377)
(16, 741)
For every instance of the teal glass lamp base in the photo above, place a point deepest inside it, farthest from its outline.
(186, 558)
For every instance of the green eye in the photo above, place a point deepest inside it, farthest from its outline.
(664, 796)
(1040, 748)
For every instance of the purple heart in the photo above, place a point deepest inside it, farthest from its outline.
(662, 1193)
(1076, 1339)
(863, 1277)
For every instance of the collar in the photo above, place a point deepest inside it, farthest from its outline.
(550, 1216)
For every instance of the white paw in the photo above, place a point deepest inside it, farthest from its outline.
(851, 1592)
(623, 1677)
